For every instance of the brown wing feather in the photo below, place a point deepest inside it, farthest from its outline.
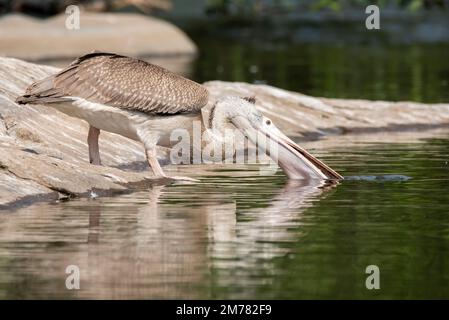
(121, 82)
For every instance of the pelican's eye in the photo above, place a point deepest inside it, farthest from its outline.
(268, 122)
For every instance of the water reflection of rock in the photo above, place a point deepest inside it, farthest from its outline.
(151, 254)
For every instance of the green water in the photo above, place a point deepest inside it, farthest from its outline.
(353, 71)
(240, 234)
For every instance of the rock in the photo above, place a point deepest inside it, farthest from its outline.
(43, 153)
(125, 33)
(310, 117)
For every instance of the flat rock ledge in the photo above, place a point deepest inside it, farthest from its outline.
(43, 153)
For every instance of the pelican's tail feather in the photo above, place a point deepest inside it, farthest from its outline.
(40, 92)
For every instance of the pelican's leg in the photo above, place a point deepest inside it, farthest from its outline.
(156, 167)
(154, 164)
(92, 142)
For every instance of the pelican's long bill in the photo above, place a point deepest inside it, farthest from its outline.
(295, 161)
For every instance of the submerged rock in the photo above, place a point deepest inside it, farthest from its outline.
(44, 152)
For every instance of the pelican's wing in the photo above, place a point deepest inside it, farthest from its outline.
(121, 82)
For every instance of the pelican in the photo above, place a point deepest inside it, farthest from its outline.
(145, 102)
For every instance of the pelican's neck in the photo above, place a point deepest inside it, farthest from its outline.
(218, 121)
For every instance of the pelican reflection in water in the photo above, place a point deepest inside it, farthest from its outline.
(165, 242)
(168, 248)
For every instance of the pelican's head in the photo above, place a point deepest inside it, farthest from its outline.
(296, 162)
